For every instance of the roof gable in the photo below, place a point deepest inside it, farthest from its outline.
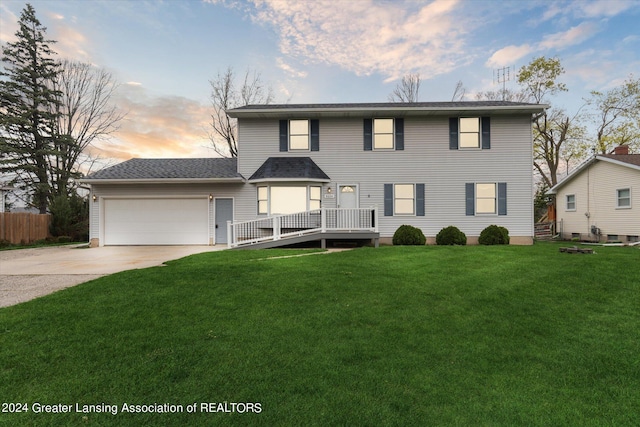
(289, 169)
(631, 161)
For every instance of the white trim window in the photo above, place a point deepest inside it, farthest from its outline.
(623, 198)
(570, 205)
(299, 134)
(486, 198)
(404, 199)
(383, 134)
(469, 132)
(282, 200)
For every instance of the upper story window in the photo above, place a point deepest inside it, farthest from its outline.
(299, 135)
(469, 133)
(383, 134)
(623, 198)
(571, 202)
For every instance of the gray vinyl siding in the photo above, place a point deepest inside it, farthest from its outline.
(426, 159)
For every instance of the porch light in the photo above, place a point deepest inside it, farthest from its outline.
(329, 190)
(210, 197)
(94, 197)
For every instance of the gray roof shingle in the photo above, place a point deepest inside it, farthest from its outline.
(632, 159)
(144, 169)
(289, 168)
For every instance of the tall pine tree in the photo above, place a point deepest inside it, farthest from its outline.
(27, 109)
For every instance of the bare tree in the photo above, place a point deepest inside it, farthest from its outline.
(408, 90)
(225, 95)
(503, 95)
(617, 116)
(458, 92)
(85, 114)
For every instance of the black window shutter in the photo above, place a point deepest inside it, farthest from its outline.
(284, 135)
(502, 198)
(419, 199)
(368, 134)
(388, 200)
(470, 197)
(399, 125)
(486, 133)
(315, 135)
(453, 133)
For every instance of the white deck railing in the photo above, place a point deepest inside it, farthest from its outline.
(298, 224)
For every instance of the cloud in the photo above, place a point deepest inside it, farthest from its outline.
(367, 37)
(8, 25)
(157, 126)
(571, 37)
(601, 8)
(508, 55)
(280, 62)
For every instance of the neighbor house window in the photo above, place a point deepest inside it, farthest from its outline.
(486, 198)
(624, 198)
(298, 134)
(382, 134)
(469, 132)
(571, 202)
(282, 200)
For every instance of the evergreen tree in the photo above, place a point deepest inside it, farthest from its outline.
(27, 109)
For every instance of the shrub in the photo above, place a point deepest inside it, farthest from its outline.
(451, 236)
(4, 243)
(408, 235)
(64, 239)
(494, 235)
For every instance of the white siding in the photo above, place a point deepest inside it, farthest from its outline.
(595, 191)
(426, 158)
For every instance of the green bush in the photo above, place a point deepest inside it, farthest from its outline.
(408, 235)
(64, 239)
(494, 235)
(451, 236)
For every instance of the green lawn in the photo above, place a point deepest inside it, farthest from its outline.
(395, 336)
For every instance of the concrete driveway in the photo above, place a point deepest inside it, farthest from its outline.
(29, 273)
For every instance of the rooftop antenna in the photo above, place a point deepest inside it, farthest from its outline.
(502, 75)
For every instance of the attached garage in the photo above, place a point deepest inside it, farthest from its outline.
(165, 221)
(162, 201)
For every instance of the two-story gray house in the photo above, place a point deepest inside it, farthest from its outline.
(331, 171)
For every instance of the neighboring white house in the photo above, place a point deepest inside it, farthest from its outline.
(3, 192)
(600, 200)
(331, 171)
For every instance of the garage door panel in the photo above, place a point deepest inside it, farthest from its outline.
(156, 221)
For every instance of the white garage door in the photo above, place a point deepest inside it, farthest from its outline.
(156, 221)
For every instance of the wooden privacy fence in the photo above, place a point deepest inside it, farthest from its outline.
(20, 227)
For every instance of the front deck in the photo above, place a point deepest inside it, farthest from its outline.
(316, 225)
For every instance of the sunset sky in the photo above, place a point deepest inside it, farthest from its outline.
(163, 53)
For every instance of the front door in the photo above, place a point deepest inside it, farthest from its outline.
(348, 197)
(224, 213)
